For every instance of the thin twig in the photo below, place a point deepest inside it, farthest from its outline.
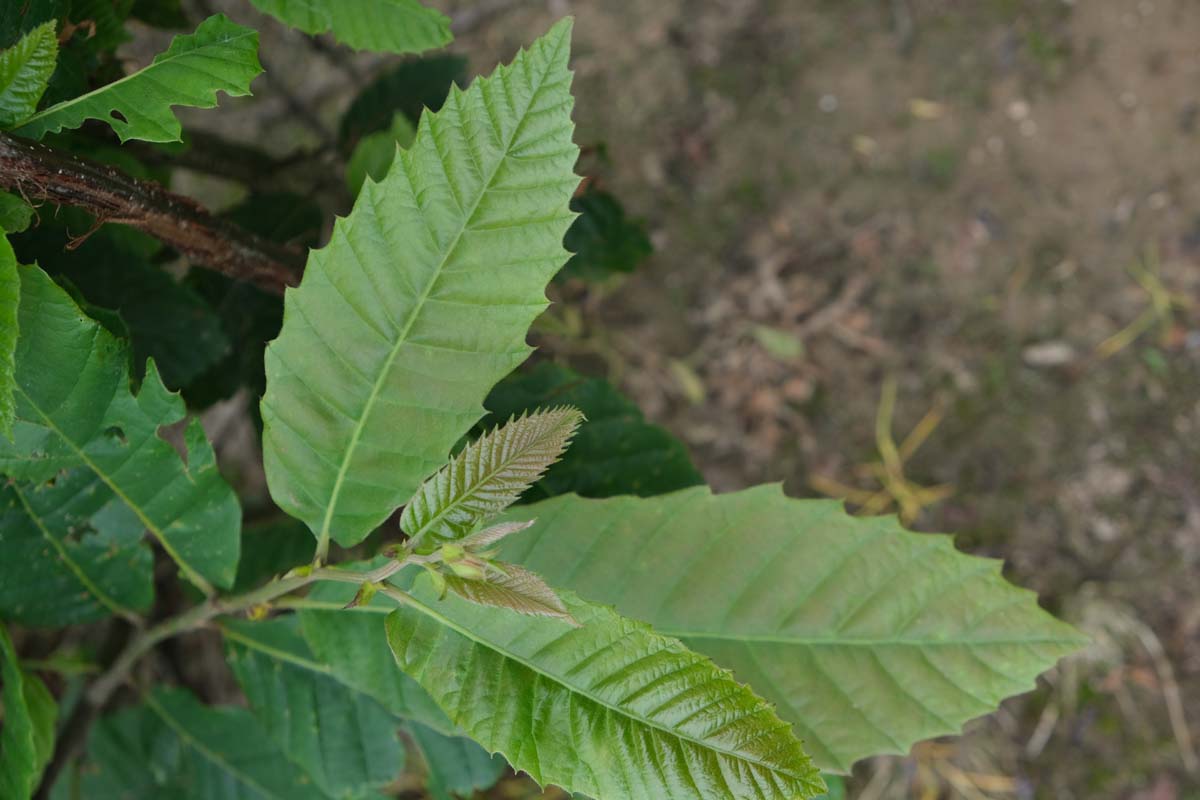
(40, 173)
(102, 690)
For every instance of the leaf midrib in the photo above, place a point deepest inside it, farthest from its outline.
(76, 570)
(67, 104)
(476, 486)
(356, 434)
(216, 758)
(151, 526)
(416, 604)
(320, 605)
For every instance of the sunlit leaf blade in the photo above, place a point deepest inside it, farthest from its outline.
(220, 56)
(344, 740)
(75, 410)
(610, 709)
(866, 636)
(615, 452)
(516, 589)
(27, 735)
(25, 70)
(454, 765)
(488, 475)
(10, 303)
(73, 552)
(354, 645)
(422, 299)
(382, 26)
(172, 746)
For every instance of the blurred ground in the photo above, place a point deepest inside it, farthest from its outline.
(970, 198)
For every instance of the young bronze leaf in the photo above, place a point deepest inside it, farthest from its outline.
(422, 299)
(481, 540)
(866, 636)
(514, 588)
(610, 709)
(487, 476)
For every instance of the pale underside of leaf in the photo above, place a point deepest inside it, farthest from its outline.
(383, 26)
(219, 56)
(75, 410)
(422, 299)
(488, 475)
(609, 709)
(516, 589)
(867, 637)
(25, 70)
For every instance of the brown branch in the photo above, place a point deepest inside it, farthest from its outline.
(37, 172)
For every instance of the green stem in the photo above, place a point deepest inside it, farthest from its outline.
(200, 615)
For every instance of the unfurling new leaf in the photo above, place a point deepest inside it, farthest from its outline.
(487, 476)
(511, 587)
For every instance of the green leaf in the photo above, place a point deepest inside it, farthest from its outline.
(610, 709)
(487, 476)
(382, 26)
(10, 302)
(27, 735)
(75, 409)
(166, 320)
(866, 636)
(372, 156)
(219, 56)
(15, 213)
(615, 452)
(409, 88)
(73, 552)
(172, 746)
(344, 740)
(422, 299)
(603, 239)
(515, 588)
(454, 765)
(25, 70)
(354, 645)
